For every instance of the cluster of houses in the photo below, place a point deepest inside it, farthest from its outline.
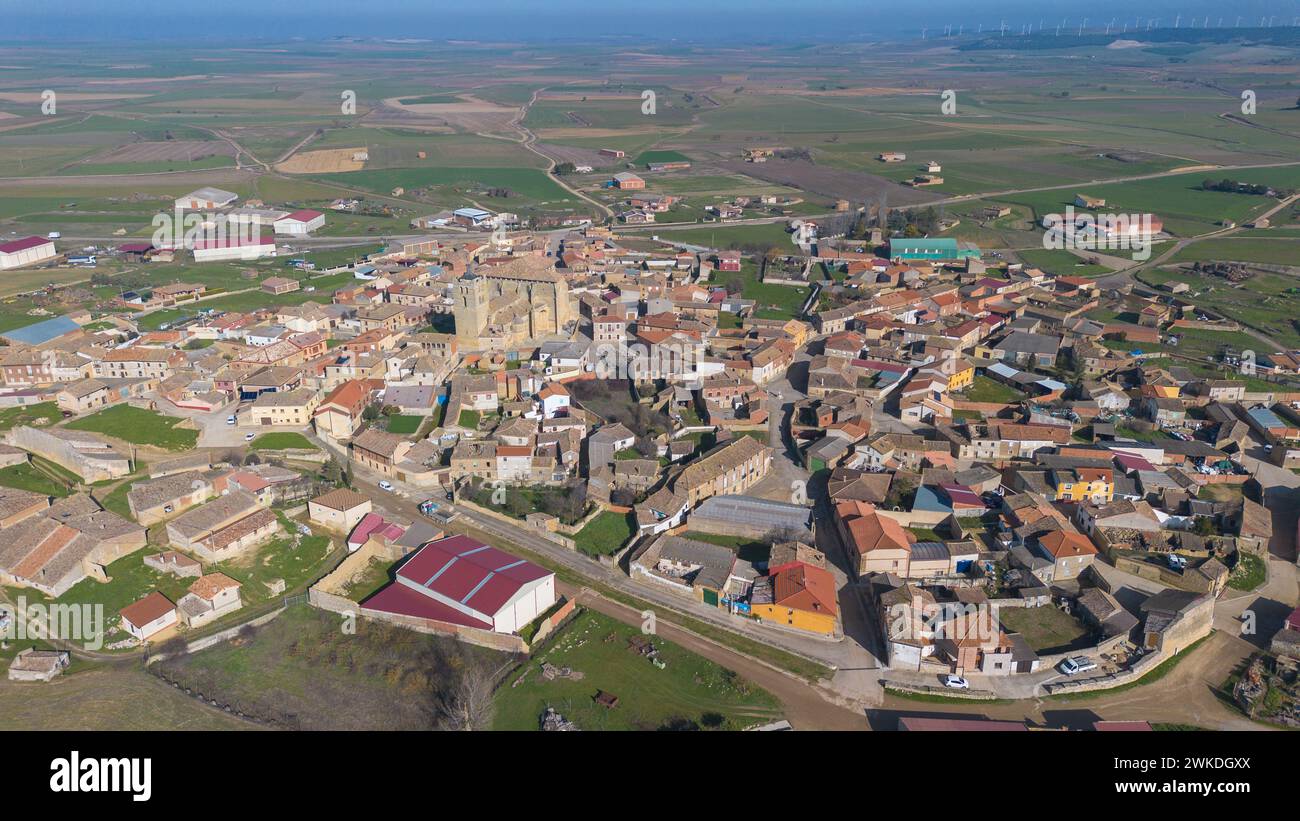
(1027, 440)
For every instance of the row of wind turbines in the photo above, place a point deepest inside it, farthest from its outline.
(1111, 27)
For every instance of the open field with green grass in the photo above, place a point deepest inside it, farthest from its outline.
(688, 692)
(139, 427)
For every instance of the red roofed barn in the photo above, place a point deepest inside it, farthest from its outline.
(465, 582)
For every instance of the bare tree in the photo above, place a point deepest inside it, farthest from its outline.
(466, 704)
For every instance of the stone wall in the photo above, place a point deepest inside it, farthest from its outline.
(1106, 681)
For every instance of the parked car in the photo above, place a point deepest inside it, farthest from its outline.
(230, 420)
(1077, 664)
(386, 485)
(956, 682)
(1177, 562)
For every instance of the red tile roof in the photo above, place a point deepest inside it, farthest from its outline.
(147, 609)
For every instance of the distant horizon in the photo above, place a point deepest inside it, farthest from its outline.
(723, 22)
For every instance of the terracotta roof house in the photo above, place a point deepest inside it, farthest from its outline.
(148, 616)
(1070, 552)
(876, 543)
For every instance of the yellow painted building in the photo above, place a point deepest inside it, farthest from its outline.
(962, 376)
(1085, 485)
(797, 595)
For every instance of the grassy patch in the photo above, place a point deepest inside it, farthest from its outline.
(405, 425)
(1251, 571)
(468, 419)
(605, 533)
(688, 692)
(302, 671)
(984, 389)
(1046, 629)
(42, 413)
(109, 698)
(140, 427)
(283, 440)
(27, 477)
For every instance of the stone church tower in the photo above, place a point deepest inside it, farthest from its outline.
(471, 308)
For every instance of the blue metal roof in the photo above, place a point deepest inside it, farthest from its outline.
(41, 332)
(1265, 418)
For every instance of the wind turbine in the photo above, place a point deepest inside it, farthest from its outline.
(1178, 20)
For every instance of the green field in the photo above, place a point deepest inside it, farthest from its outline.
(139, 427)
(29, 477)
(1046, 629)
(985, 389)
(405, 425)
(1061, 263)
(606, 533)
(282, 440)
(689, 692)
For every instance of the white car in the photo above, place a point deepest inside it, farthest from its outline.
(956, 682)
(248, 437)
(1077, 664)
(386, 485)
(230, 420)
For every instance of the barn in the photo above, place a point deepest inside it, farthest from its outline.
(223, 248)
(462, 581)
(303, 221)
(25, 251)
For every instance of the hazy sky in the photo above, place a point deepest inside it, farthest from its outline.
(726, 20)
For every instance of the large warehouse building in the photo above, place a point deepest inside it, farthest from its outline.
(465, 582)
(25, 251)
